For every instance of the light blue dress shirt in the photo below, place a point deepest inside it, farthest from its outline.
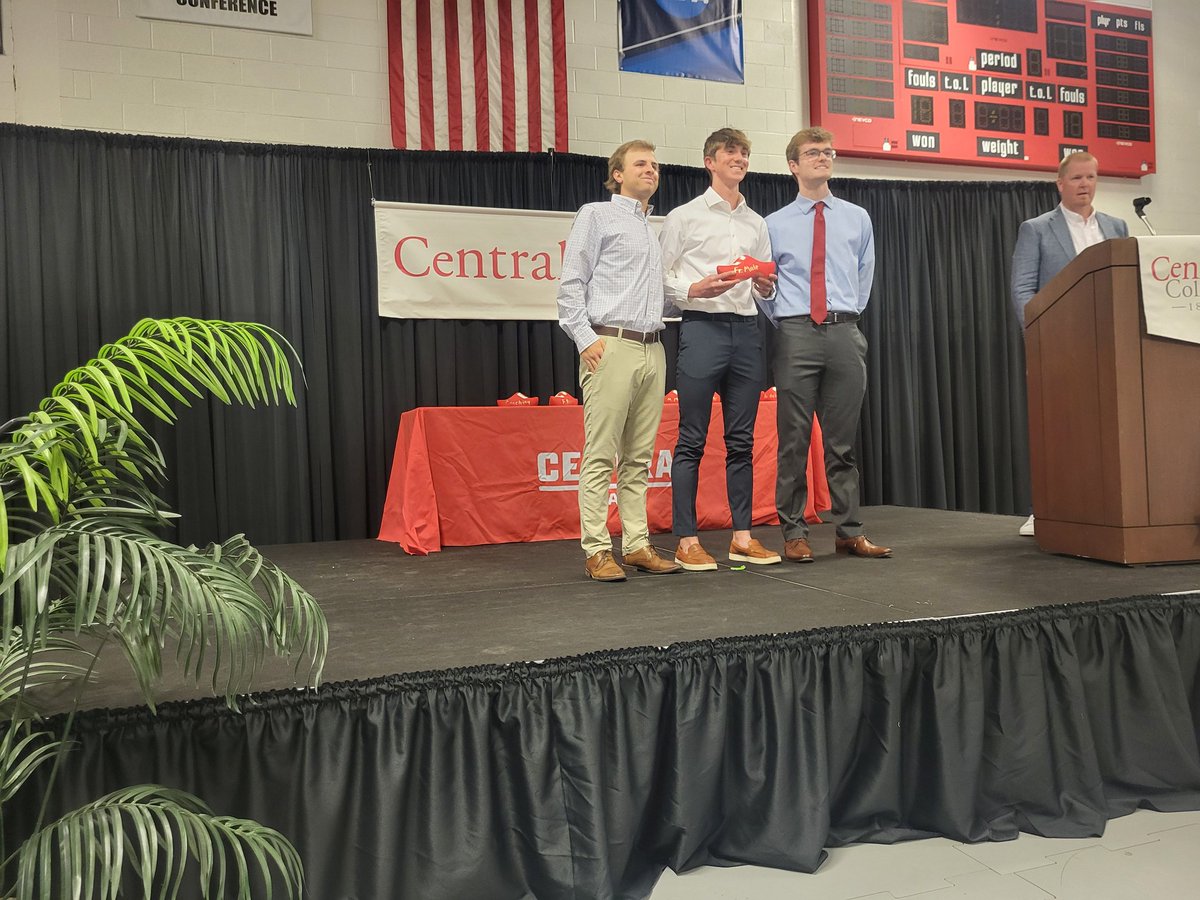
(849, 256)
(612, 272)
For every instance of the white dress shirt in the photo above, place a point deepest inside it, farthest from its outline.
(705, 233)
(612, 272)
(1084, 232)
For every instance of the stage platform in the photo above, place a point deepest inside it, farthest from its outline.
(467, 606)
(494, 725)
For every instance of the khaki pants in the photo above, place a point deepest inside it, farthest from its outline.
(622, 406)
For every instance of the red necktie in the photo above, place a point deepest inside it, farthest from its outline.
(817, 307)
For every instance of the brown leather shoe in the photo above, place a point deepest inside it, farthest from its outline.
(602, 567)
(695, 559)
(797, 550)
(647, 560)
(754, 553)
(860, 546)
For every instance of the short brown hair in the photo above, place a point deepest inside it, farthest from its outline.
(1081, 156)
(813, 135)
(616, 162)
(729, 138)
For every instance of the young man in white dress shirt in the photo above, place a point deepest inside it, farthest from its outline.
(720, 344)
(611, 303)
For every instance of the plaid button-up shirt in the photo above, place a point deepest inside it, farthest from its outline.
(612, 272)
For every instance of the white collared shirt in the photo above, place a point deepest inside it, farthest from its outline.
(705, 233)
(1084, 232)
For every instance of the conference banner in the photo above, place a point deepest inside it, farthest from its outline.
(286, 16)
(684, 38)
(467, 262)
(1170, 270)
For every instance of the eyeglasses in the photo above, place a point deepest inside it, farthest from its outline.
(813, 153)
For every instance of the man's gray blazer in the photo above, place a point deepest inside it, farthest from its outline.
(1044, 247)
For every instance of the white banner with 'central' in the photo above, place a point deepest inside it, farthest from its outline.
(469, 262)
(465, 262)
(1170, 270)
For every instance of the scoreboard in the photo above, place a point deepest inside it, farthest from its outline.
(1007, 83)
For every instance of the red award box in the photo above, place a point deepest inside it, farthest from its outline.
(518, 399)
(747, 267)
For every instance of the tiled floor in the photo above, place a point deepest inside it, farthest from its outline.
(1144, 856)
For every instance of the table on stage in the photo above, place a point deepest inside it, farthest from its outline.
(464, 476)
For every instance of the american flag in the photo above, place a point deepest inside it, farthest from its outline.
(478, 74)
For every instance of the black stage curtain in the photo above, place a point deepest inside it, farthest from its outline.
(585, 777)
(100, 230)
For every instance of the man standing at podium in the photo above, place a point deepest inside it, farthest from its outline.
(1046, 244)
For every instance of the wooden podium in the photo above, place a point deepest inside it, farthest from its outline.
(1114, 418)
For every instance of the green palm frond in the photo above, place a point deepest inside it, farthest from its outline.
(298, 627)
(22, 751)
(24, 672)
(221, 606)
(82, 559)
(125, 464)
(153, 832)
(79, 512)
(96, 405)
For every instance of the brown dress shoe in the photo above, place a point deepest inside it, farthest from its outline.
(695, 559)
(797, 550)
(754, 553)
(860, 546)
(647, 560)
(602, 567)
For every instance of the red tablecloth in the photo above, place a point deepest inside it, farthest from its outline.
(493, 475)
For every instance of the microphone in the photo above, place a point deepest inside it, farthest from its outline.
(1139, 204)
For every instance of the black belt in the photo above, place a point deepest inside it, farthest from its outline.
(644, 337)
(694, 316)
(833, 318)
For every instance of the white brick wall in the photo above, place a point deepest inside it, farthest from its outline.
(122, 73)
(678, 113)
(94, 64)
(113, 71)
(8, 99)
(181, 36)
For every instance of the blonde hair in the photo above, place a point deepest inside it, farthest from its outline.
(616, 162)
(1081, 156)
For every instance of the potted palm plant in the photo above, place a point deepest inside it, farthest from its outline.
(84, 563)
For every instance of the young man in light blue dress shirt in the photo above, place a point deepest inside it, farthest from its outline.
(611, 303)
(820, 360)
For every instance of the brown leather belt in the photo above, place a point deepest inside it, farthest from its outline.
(644, 337)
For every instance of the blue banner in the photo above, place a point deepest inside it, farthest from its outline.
(685, 38)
